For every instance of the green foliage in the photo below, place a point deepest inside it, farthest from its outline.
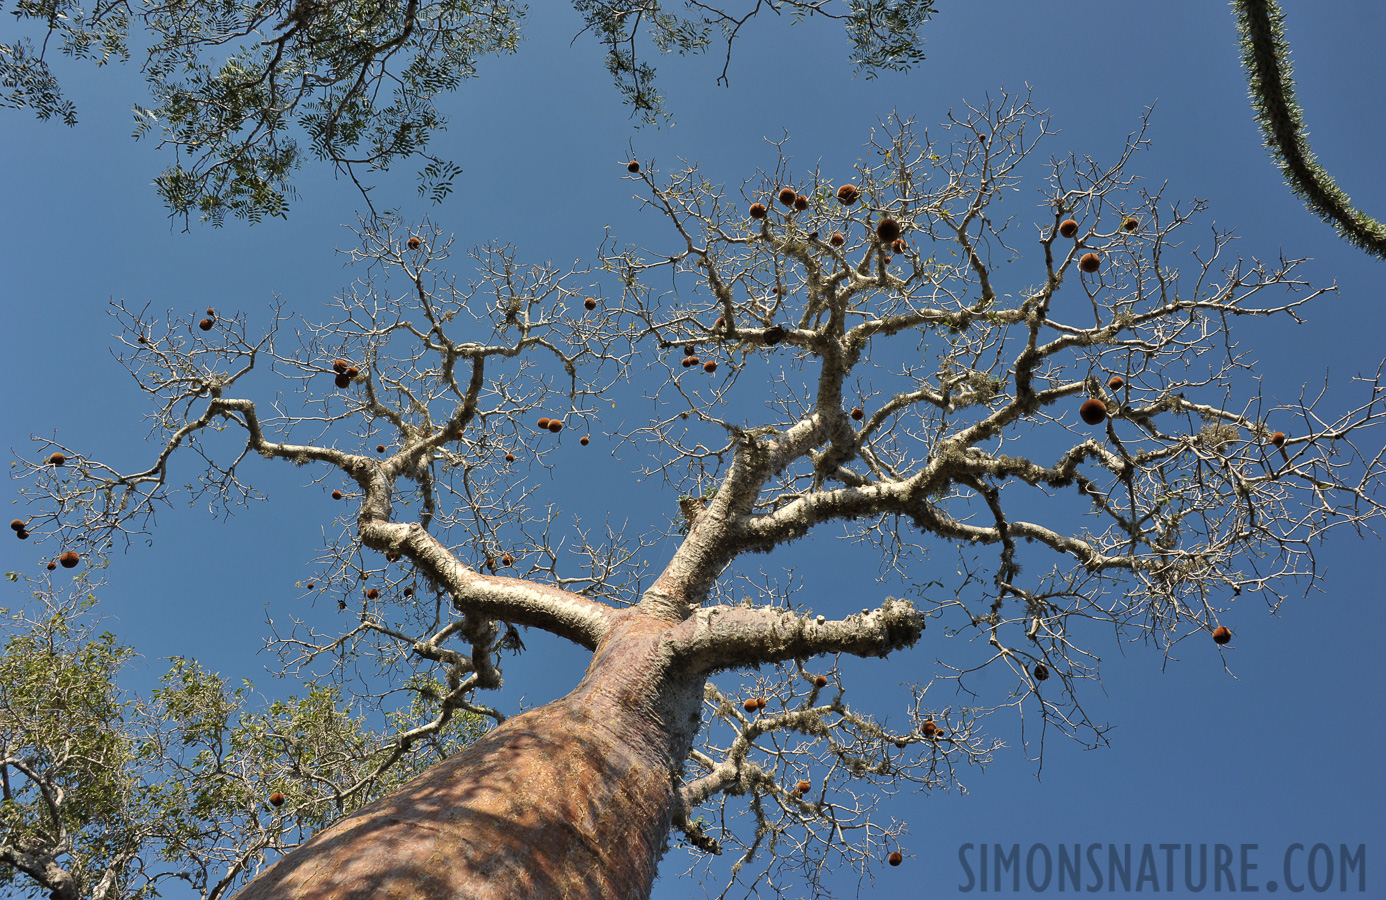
(885, 34)
(238, 85)
(61, 719)
(106, 786)
(359, 79)
(25, 80)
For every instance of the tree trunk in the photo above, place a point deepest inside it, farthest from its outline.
(571, 800)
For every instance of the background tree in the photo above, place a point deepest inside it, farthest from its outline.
(106, 795)
(236, 85)
(846, 375)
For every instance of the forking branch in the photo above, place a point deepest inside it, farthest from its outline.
(867, 354)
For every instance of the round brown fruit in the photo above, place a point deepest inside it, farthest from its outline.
(837, 240)
(710, 366)
(1041, 672)
(848, 194)
(57, 459)
(720, 323)
(584, 440)
(1116, 383)
(821, 681)
(1090, 262)
(69, 559)
(1093, 411)
(803, 787)
(408, 592)
(1222, 634)
(206, 324)
(509, 457)
(342, 381)
(543, 423)
(22, 535)
(888, 230)
(589, 304)
(760, 703)
(788, 196)
(372, 594)
(352, 372)
(1278, 439)
(801, 203)
(928, 729)
(690, 351)
(379, 448)
(555, 425)
(17, 525)
(1068, 228)
(896, 858)
(340, 366)
(143, 339)
(750, 705)
(898, 245)
(414, 243)
(858, 414)
(758, 210)
(311, 585)
(1130, 223)
(336, 495)
(52, 564)
(507, 560)
(633, 166)
(276, 799)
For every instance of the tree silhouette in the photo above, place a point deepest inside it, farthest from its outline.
(237, 85)
(1075, 427)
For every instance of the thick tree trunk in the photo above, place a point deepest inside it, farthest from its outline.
(571, 800)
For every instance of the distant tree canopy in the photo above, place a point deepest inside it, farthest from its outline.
(237, 84)
(233, 82)
(99, 789)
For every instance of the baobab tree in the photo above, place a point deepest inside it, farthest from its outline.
(877, 353)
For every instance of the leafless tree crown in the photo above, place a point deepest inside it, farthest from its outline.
(1041, 404)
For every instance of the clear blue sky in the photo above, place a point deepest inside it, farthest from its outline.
(1283, 747)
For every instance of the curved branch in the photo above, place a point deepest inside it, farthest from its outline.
(1266, 58)
(723, 637)
(557, 611)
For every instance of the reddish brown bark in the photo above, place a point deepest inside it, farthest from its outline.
(571, 800)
